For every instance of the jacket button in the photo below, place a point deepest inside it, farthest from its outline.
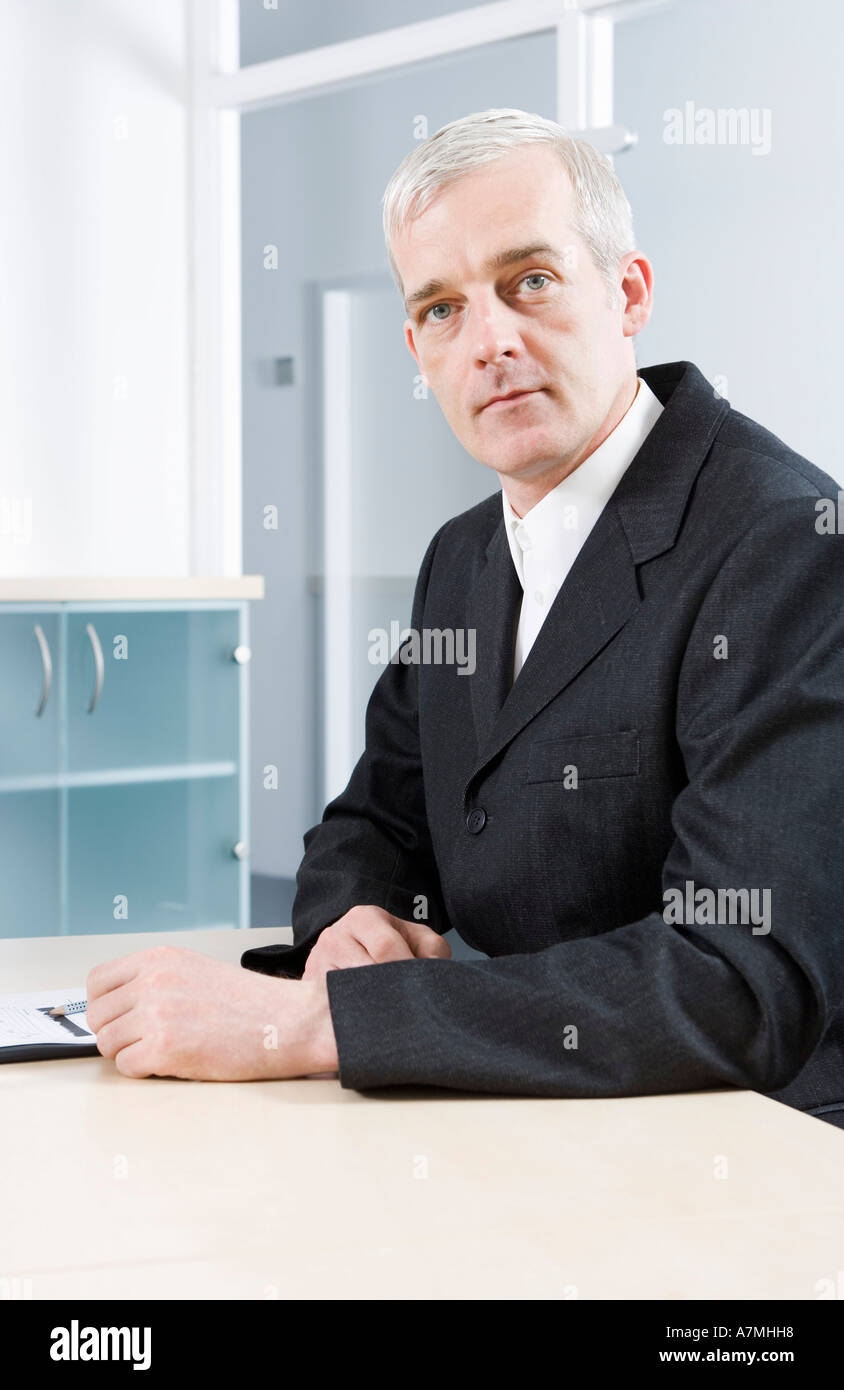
(476, 820)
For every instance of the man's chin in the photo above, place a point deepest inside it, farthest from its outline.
(527, 461)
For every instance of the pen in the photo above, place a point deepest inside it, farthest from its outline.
(76, 1008)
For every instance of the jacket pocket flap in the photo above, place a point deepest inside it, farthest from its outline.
(593, 755)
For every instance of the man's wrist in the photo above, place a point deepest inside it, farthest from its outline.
(320, 1042)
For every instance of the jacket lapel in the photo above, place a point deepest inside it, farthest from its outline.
(599, 595)
(601, 591)
(492, 610)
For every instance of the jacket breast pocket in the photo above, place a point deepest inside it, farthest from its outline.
(592, 755)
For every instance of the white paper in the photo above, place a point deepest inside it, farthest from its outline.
(22, 1023)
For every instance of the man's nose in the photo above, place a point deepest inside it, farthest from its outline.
(495, 332)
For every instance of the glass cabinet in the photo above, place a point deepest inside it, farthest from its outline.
(123, 755)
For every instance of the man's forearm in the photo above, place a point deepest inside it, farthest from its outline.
(645, 1009)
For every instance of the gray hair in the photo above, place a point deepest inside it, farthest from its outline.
(603, 218)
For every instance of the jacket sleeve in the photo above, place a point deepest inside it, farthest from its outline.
(659, 1005)
(372, 845)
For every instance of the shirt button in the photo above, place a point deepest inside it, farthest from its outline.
(476, 820)
(540, 597)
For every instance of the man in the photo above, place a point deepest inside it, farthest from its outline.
(633, 804)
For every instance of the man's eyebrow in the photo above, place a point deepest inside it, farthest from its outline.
(499, 261)
(429, 288)
(520, 253)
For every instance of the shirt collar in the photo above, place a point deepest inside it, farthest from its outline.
(569, 510)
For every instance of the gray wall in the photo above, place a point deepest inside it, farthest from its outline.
(744, 246)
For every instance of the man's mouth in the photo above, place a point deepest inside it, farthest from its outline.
(511, 398)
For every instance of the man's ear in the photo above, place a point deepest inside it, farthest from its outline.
(636, 294)
(411, 347)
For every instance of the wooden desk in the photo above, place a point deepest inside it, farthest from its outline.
(117, 1188)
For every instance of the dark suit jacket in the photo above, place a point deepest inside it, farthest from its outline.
(691, 768)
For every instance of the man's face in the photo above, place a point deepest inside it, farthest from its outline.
(504, 297)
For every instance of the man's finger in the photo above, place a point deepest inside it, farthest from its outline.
(383, 943)
(114, 1036)
(423, 941)
(344, 953)
(110, 1005)
(112, 973)
(434, 946)
(134, 1060)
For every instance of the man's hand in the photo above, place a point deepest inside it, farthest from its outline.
(371, 936)
(174, 1012)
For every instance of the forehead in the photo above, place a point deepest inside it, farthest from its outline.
(521, 199)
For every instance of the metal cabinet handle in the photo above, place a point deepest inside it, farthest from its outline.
(240, 850)
(242, 655)
(99, 666)
(46, 667)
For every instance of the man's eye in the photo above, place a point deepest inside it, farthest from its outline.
(536, 276)
(438, 318)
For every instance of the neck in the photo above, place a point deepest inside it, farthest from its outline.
(524, 493)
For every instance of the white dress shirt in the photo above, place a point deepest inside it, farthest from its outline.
(546, 541)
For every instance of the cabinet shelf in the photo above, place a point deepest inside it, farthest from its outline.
(117, 776)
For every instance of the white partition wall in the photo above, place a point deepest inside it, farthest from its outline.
(94, 284)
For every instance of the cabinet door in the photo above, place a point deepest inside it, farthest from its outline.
(153, 856)
(30, 892)
(29, 723)
(30, 802)
(151, 689)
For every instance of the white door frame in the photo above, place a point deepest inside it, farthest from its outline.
(219, 90)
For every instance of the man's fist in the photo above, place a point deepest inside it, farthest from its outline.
(371, 936)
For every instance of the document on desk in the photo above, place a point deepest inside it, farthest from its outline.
(29, 1034)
